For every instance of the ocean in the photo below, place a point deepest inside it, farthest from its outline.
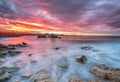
(46, 57)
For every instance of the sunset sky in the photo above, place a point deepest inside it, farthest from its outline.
(61, 16)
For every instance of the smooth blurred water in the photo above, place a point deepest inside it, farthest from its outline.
(106, 51)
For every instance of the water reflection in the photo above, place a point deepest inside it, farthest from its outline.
(44, 56)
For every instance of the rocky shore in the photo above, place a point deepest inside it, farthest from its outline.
(101, 72)
(8, 50)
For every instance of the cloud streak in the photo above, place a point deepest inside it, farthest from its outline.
(64, 15)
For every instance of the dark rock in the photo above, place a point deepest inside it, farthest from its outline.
(30, 54)
(105, 72)
(13, 53)
(57, 48)
(24, 43)
(81, 59)
(3, 47)
(41, 36)
(11, 45)
(48, 36)
(87, 48)
(53, 36)
(11, 48)
(3, 54)
(20, 45)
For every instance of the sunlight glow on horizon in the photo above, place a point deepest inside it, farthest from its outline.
(31, 27)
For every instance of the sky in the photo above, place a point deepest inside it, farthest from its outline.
(63, 16)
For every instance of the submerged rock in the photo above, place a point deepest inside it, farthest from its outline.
(3, 54)
(105, 72)
(63, 65)
(9, 69)
(81, 58)
(3, 47)
(95, 80)
(13, 53)
(26, 75)
(86, 48)
(75, 79)
(30, 54)
(57, 48)
(5, 72)
(5, 76)
(40, 77)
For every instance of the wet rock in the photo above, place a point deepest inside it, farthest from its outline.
(63, 65)
(3, 54)
(24, 43)
(95, 80)
(81, 59)
(75, 79)
(5, 76)
(105, 72)
(11, 45)
(86, 48)
(5, 72)
(30, 54)
(3, 47)
(11, 48)
(42, 78)
(9, 69)
(57, 48)
(13, 53)
(26, 75)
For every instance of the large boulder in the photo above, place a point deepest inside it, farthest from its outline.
(81, 58)
(106, 72)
